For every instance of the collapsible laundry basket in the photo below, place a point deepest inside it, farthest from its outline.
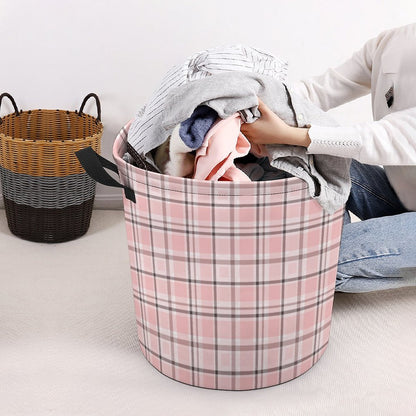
(47, 195)
(233, 283)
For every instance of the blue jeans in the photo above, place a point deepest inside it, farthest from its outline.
(378, 252)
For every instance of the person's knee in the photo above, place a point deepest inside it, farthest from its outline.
(341, 281)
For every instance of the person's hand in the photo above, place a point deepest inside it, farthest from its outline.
(271, 129)
(268, 129)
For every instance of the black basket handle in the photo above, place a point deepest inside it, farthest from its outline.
(97, 101)
(5, 94)
(94, 165)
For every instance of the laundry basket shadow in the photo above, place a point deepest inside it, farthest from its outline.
(233, 283)
(47, 195)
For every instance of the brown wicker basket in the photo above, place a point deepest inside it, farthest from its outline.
(47, 195)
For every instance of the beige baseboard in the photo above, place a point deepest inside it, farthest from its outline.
(108, 202)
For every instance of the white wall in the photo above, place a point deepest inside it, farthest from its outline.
(54, 52)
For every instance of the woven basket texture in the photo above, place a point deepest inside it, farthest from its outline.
(48, 225)
(43, 142)
(47, 195)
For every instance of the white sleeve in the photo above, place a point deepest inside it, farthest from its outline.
(389, 141)
(348, 81)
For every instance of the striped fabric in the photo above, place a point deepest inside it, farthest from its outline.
(198, 66)
(233, 282)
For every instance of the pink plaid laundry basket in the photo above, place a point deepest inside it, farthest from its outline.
(233, 283)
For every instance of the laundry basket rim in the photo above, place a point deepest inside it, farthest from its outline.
(47, 113)
(135, 174)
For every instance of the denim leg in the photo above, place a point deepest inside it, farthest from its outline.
(371, 193)
(378, 254)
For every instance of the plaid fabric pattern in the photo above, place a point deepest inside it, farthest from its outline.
(233, 282)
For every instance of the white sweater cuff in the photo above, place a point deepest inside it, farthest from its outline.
(335, 141)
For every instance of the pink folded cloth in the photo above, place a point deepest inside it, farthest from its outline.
(223, 143)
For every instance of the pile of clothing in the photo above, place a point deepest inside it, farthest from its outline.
(191, 127)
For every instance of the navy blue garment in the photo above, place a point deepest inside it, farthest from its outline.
(193, 130)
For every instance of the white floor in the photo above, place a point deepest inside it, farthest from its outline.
(68, 343)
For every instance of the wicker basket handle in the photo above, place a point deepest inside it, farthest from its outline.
(97, 102)
(5, 94)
